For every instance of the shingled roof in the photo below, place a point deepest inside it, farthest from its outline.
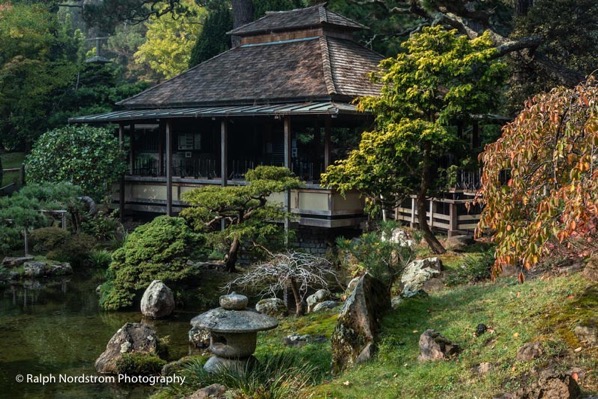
(316, 68)
(315, 16)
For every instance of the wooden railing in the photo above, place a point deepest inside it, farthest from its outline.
(450, 215)
(17, 182)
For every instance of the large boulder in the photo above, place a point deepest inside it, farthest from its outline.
(417, 273)
(326, 305)
(316, 298)
(274, 307)
(433, 346)
(157, 300)
(353, 339)
(36, 269)
(130, 338)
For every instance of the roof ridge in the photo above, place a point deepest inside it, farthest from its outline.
(327, 66)
(295, 9)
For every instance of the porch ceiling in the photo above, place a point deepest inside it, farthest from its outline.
(310, 108)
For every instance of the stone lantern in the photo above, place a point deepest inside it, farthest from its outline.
(233, 332)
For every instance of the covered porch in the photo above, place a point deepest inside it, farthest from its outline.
(171, 151)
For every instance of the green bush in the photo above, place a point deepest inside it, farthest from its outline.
(139, 364)
(381, 258)
(83, 155)
(100, 258)
(102, 226)
(75, 250)
(474, 268)
(48, 238)
(158, 250)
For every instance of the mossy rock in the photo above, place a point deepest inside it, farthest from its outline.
(139, 364)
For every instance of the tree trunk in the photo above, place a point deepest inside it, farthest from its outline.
(299, 309)
(422, 220)
(231, 257)
(242, 14)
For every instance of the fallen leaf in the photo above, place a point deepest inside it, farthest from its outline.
(346, 383)
(570, 296)
(515, 335)
(575, 376)
(577, 349)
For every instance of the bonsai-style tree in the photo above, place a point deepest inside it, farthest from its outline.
(440, 77)
(540, 179)
(248, 216)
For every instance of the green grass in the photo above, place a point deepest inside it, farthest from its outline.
(540, 310)
(10, 161)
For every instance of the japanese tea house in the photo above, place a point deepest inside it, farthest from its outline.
(282, 97)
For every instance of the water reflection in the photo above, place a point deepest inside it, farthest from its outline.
(56, 327)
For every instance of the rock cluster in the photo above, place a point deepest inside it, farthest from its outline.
(433, 346)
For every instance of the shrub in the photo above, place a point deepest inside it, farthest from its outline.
(83, 155)
(158, 250)
(75, 250)
(100, 259)
(473, 269)
(370, 253)
(48, 238)
(102, 226)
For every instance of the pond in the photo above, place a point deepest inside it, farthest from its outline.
(56, 328)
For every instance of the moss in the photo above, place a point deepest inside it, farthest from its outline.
(139, 364)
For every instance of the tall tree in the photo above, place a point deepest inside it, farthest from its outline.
(540, 179)
(170, 39)
(441, 76)
(37, 64)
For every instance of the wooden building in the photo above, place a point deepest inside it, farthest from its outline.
(284, 96)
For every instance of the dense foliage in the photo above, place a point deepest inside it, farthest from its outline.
(37, 64)
(540, 179)
(83, 155)
(170, 38)
(441, 76)
(375, 253)
(158, 250)
(248, 216)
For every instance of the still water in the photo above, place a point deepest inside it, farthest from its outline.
(56, 328)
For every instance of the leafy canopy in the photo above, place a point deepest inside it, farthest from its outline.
(170, 39)
(440, 77)
(549, 203)
(86, 156)
(37, 63)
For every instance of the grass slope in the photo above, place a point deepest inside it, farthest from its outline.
(544, 310)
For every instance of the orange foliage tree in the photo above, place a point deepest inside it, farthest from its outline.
(540, 179)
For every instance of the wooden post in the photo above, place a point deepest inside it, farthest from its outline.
(224, 151)
(431, 221)
(327, 143)
(412, 223)
(287, 163)
(121, 190)
(169, 168)
(453, 219)
(132, 149)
